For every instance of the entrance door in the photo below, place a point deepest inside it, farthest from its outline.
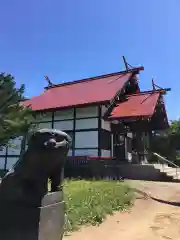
(119, 146)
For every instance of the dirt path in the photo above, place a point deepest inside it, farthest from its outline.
(148, 219)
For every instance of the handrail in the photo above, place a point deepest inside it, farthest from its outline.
(166, 160)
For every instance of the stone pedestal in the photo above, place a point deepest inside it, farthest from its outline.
(23, 221)
(52, 217)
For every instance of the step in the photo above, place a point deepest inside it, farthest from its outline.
(172, 174)
(168, 169)
(158, 166)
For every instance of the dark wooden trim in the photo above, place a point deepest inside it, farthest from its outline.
(74, 106)
(64, 120)
(42, 122)
(87, 148)
(11, 156)
(135, 69)
(74, 127)
(105, 140)
(86, 118)
(5, 161)
(87, 130)
(52, 124)
(99, 129)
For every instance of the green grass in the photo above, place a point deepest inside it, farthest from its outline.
(89, 202)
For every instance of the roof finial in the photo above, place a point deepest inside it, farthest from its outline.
(159, 89)
(127, 65)
(50, 84)
(153, 85)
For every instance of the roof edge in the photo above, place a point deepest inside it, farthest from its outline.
(97, 77)
(73, 106)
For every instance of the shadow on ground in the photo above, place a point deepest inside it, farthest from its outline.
(176, 204)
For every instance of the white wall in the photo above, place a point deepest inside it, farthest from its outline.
(105, 153)
(11, 161)
(86, 152)
(86, 139)
(64, 114)
(2, 162)
(86, 123)
(64, 120)
(15, 146)
(103, 109)
(44, 117)
(87, 112)
(105, 124)
(64, 125)
(44, 125)
(3, 151)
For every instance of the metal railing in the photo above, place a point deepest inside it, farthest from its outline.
(162, 160)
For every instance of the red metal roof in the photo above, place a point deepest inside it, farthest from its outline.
(92, 90)
(141, 104)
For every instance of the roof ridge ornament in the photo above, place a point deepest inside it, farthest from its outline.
(129, 68)
(50, 84)
(159, 89)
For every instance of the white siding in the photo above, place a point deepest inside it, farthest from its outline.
(44, 117)
(44, 125)
(87, 112)
(64, 114)
(3, 151)
(14, 147)
(86, 139)
(11, 161)
(105, 153)
(64, 125)
(2, 162)
(86, 123)
(103, 109)
(86, 152)
(105, 125)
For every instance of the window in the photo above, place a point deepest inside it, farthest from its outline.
(86, 123)
(87, 139)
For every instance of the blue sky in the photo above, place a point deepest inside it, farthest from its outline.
(73, 39)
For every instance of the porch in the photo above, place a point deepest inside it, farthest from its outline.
(134, 121)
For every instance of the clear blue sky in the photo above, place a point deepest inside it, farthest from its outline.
(72, 39)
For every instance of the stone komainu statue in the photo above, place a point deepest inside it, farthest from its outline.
(44, 159)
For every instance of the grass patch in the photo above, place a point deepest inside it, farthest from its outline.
(89, 202)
